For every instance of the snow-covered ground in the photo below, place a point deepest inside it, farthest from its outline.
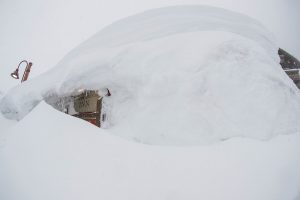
(74, 160)
(199, 95)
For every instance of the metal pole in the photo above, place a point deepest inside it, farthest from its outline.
(26, 72)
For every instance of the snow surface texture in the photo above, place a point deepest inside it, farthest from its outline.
(178, 75)
(70, 159)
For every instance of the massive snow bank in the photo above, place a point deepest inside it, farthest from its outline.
(178, 75)
(73, 160)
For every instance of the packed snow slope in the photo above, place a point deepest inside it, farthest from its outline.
(52, 156)
(178, 75)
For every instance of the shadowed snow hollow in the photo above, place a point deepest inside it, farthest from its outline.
(178, 75)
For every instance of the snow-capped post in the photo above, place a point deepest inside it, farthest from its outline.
(15, 74)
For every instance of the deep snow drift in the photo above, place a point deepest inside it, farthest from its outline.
(74, 160)
(178, 75)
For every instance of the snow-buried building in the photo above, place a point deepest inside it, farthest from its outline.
(177, 75)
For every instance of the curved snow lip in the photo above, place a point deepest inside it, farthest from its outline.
(179, 75)
(180, 19)
(167, 21)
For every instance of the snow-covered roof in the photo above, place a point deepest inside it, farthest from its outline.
(182, 74)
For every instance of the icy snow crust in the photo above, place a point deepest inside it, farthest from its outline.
(178, 76)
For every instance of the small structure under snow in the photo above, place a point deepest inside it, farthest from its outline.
(178, 75)
(84, 104)
(290, 65)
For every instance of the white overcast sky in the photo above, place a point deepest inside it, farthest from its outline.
(43, 31)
